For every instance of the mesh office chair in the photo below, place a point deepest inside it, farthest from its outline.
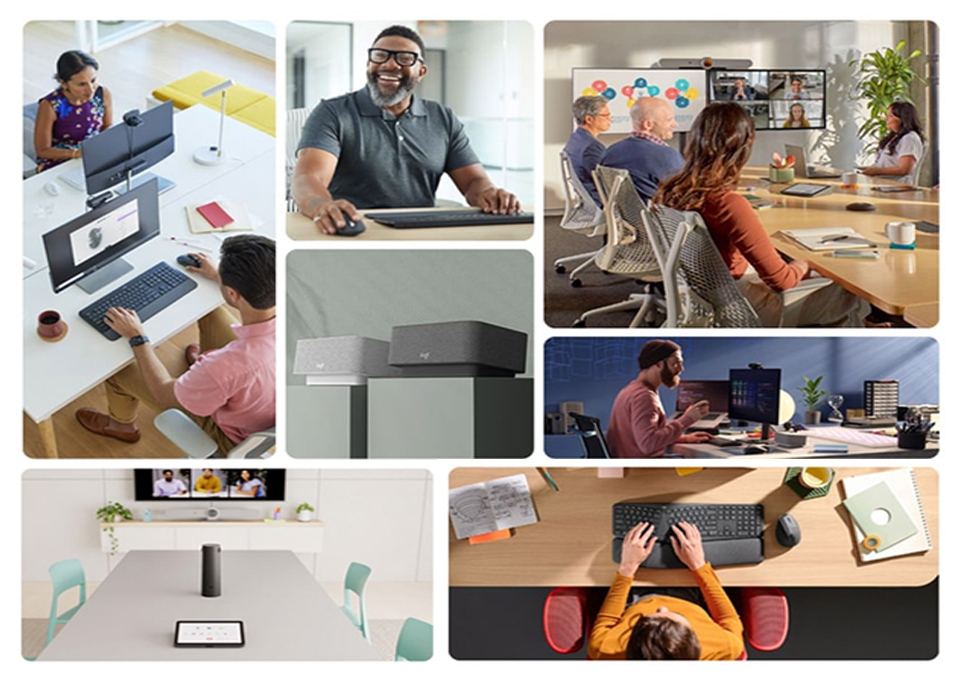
(581, 214)
(628, 250)
(591, 436)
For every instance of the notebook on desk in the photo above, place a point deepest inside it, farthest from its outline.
(826, 239)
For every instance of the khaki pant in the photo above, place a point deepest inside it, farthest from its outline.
(126, 389)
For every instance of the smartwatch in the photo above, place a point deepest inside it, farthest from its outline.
(137, 340)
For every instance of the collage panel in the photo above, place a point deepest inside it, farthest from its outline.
(414, 131)
(149, 259)
(226, 564)
(409, 354)
(708, 563)
(742, 397)
(772, 183)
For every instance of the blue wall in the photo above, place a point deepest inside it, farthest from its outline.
(594, 369)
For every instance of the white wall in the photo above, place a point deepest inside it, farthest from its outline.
(379, 517)
(771, 45)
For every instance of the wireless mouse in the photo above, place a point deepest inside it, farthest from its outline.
(51, 188)
(860, 206)
(788, 531)
(351, 228)
(188, 260)
(754, 449)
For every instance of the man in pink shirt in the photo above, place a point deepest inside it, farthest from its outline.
(230, 388)
(638, 425)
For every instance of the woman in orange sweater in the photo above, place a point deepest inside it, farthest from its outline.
(659, 627)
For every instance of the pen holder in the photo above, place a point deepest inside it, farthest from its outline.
(781, 175)
(912, 440)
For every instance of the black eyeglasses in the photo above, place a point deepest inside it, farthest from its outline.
(401, 57)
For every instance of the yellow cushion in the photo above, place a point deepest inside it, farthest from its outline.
(261, 115)
(187, 91)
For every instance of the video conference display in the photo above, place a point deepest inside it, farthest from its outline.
(776, 99)
(161, 484)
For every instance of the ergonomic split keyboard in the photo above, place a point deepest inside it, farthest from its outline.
(444, 219)
(148, 294)
(732, 534)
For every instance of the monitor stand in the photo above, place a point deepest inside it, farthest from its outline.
(163, 184)
(104, 276)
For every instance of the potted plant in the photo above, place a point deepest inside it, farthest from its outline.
(305, 512)
(109, 514)
(812, 396)
(883, 77)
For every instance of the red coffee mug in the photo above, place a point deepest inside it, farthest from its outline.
(50, 325)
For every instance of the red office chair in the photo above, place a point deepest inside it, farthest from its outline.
(566, 621)
(766, 618)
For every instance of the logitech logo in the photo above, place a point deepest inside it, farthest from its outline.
(425, 356)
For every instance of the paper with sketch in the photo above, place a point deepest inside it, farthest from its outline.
(490, 506)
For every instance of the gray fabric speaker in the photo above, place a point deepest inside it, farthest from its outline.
(457, 349)
(342, 360)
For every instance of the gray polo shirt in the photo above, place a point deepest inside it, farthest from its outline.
(383, 160)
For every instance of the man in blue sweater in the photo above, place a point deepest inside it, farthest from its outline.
(645, 154)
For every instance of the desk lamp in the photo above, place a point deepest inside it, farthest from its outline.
(213, 154)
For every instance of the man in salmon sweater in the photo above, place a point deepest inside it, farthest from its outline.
(658, 627)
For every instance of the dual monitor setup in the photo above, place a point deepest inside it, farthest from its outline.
(750, 395)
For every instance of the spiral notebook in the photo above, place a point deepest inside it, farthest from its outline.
(903, 484)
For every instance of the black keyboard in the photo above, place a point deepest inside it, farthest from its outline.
(732, 533)
(148, 294)
(444, 219)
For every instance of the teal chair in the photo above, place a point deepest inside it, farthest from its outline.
(355, 581)
(415, 641)
(65, 575)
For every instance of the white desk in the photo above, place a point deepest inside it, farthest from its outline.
(57, 373)
(806, 451)
(286, 614)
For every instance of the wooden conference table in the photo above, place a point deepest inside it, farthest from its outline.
(299, 227)
(286, 614)
(900, 282)
(572, 543)
(57, 373)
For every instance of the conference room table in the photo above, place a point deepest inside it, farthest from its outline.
(299, 227)
(900, 282)
(572, 542)
(286, 614)
(56, 373)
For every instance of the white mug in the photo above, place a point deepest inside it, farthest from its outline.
(902, 234)
(849, 179)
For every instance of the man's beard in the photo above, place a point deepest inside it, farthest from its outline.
(668, 377)
(404, 89)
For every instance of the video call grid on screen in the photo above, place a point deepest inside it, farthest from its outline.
(772, 95)
(208, 483)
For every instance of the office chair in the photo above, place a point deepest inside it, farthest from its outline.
(591, 436)
(566, 619)
(29, 126)
(354, 583)
(766, 617)
(296, 118)
(628, 250)
(65, 575)
(190, 438)
(581, 214)
(415, 642)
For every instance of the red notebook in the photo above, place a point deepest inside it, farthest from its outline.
(215, 215)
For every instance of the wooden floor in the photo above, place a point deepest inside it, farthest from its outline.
(136, 67)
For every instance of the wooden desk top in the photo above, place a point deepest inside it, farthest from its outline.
(572, 543)
(900, 279)
(299, 227)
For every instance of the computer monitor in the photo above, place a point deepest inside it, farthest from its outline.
(90, 247)
(755, 396)
(125, 150)
(769, 96)
(716, 392)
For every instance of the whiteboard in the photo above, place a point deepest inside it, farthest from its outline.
(685, 89)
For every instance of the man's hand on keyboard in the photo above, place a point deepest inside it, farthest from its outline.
(687, 545)
(206, 268)
(498, 201)
(124, 321)
(637, 546)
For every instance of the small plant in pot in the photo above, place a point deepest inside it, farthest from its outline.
(812, 396)
(305, 512)
(110, 514)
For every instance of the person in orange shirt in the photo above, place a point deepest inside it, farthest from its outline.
(658, 627)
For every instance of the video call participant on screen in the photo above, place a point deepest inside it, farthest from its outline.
(902, 147)
(741, 90)
(645, 154)
(659, 624)
(718, 147)
(208, 483)
(249, 485)
(382, 146)
(798, 117)
(78, 109)
(638, 424)
(228, 389)
(592, 115)
(167, 486)
(796, 90)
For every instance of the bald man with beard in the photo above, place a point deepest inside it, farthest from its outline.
(638, 424)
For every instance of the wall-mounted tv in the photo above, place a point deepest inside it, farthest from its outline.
(776, 99)
(193, 484)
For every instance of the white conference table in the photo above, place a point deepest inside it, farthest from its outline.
(286, 614)
(57, 373)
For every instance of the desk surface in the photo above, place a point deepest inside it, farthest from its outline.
(286, 614)
(853, 451)
(896, 282)
(299, 227)
(572, 544)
